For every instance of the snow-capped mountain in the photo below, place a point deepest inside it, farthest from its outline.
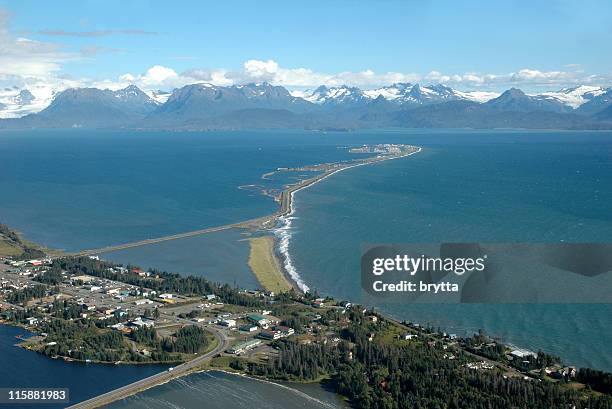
(574, 97)
(16, 102)
(333, 95)
(400, 94)
(406, 93)
(159, 96)
(262, 105)
(515, 100)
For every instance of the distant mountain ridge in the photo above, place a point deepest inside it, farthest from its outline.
(206, 106)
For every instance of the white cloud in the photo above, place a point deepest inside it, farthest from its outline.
(24, 57)
(37, 65)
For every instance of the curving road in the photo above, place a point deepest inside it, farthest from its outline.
(156, 379)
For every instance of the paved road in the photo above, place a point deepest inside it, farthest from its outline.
(157, 379)
(285, 199)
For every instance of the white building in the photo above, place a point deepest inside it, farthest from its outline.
(228, 323)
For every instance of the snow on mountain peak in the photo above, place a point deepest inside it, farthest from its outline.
(576, 96)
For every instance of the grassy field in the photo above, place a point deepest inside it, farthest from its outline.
(264, 265)
(8, 248)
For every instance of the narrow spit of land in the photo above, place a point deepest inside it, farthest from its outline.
(265, 266)
(285, 199)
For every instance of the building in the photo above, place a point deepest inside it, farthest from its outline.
(32, 321)
(83, 278)
(166, 296)
(248, 328)
(143, 301)
(244, 346)
(228, 323)
(523, 353)
(258, 320)
(270, 335)
(285, 331)
(142, 322)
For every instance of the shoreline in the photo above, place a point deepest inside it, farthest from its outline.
(282, 235)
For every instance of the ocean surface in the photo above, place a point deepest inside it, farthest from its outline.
(496, 187)
(221, 257)
(26, 369)
(77, 190)
(220, 390)
(87, 189)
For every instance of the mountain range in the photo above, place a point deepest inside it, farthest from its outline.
(206, 107)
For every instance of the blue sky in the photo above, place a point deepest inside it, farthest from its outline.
(467, 44)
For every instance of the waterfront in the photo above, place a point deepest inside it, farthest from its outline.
(505, 176)
(226, 391)
(22, 369)
(466, 187)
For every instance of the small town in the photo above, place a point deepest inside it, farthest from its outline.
(32, 290)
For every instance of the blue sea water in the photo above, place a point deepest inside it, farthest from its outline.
(26, 369)
(83, 189)
(86, 189)
(469, 187)
(219, 390)
(220, 257)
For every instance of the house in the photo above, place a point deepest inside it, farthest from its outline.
(210, 297)
(271, 335)
(106, 310)
(143, 301)
(409, 336)
(228, 323)
(32, 321)
(285, 331)
(166, 296)
(248, 328)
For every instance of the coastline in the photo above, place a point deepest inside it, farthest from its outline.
(282, 234)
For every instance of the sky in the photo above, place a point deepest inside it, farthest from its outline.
(469, 45)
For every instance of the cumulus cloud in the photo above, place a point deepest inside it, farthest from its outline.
(159, 77)
(25, 62)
